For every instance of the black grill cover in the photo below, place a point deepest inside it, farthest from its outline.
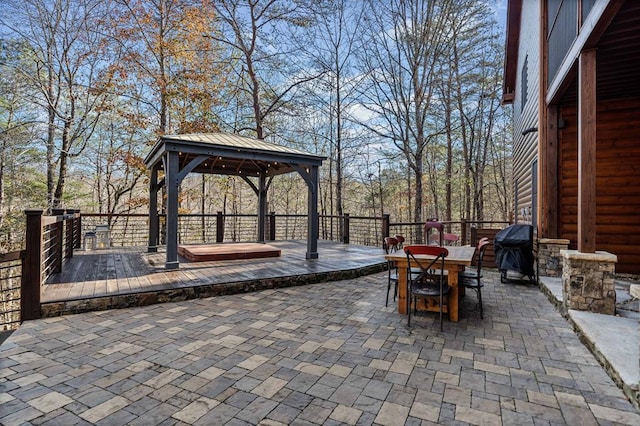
(514, 249)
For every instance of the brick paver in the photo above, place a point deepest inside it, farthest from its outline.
(318, 354)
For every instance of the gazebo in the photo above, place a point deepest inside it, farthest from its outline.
(225, 154)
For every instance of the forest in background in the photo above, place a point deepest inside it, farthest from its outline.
(401, 96)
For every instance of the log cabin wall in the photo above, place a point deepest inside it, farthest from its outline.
(617, 180)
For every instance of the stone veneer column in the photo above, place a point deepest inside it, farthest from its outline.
(588, 281)
(549, 258)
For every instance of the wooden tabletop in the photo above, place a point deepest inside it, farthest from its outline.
(458, 255)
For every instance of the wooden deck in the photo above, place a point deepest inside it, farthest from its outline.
(128, 276)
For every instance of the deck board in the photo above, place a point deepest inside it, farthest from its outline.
(125, 271)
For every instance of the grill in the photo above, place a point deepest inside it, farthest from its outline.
(514, 251)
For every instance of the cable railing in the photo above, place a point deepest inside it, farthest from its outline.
(51, 240)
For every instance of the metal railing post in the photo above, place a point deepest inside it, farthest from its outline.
(346, 228)
(32, 267)
(59, 240)
(69, 240)
(386, 222)
(463, 232)
(219, 227)
(77, 228)
(272, 226)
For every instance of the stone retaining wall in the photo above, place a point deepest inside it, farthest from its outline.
(549, 257)
(588, 281)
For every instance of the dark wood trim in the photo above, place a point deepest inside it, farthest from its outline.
(548, 143)
(549, 187)
(587, 152)
(12, 256)
(542, 117)
(514, 11)
(219, 227)
(272, 226)
(32, 267)
(346, 225)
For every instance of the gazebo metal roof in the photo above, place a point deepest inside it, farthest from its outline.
(230, 154)
(225, 154)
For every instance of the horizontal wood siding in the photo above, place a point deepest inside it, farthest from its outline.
(617, 181)
(525, 148)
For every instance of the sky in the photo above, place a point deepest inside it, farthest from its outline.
(500, 9)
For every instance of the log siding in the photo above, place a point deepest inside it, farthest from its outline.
(617, 180)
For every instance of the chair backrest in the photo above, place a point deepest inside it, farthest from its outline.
(429, 264)
(390, 244)
(451, 239)
(400, 239)
(483, 244)
(433, 224)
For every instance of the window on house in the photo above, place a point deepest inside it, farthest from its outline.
(524, 84)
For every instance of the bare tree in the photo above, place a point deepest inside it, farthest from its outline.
(333, 43)
(404, 41)
(475, 65)
(19, 156)
(258, 34)
(65, 42)
(164, 62)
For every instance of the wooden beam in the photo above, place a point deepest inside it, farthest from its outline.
(543, 168)
(587, 152)
(514, 12)
(549, 186)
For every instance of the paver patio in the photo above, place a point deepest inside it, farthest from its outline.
(319, 354)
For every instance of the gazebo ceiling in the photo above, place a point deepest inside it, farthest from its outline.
(229, 154)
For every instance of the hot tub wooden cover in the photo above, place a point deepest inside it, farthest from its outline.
(212, 252)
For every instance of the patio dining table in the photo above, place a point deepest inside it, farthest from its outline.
(456, 261)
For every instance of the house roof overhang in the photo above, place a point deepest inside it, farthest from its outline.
(611, 28)
(514, 11)
(231, 154)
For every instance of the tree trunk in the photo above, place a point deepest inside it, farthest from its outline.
(418, 173)
(51, 134)
(449, 160)
(339, 176)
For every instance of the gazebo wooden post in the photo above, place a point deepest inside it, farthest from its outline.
(171, 181)
(313, 219)
(262, 207)
(153, 210)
